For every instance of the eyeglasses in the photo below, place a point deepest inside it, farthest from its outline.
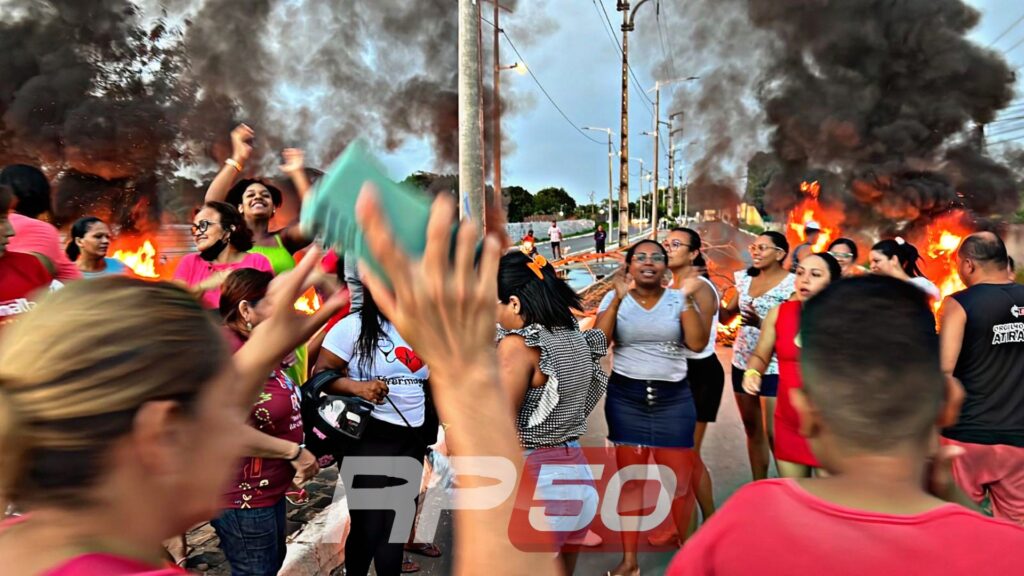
(202, 226)
(675, 245)
(842, 255)
(655, 258)
(762, 248)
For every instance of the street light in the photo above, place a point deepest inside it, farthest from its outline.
(607, 131)
(657, 130)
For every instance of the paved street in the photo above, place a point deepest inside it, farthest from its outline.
(724, 454)
(584, 243)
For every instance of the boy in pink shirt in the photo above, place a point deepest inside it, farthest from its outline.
(874, 399)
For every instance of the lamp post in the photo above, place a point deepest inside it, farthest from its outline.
(471, 158)
(628, 18)
(607, 131)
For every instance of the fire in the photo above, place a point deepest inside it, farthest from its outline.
(309, 302)
(141, 259)
(810, 209)
(942, 238)
(727, 332)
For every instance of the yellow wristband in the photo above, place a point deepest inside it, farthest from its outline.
(751, 372)
(234, 164)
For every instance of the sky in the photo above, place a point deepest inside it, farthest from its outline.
(565, 44)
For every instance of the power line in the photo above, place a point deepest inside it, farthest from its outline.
(636, 83)
(1008, 28)
(669, 55)
(1011, 48)
(1010, 119)
(541, 86)
(1006, 131)
(1006, 140)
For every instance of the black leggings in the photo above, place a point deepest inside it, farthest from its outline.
(370, 529)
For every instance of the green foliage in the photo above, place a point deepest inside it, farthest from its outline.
(520, 203)
(553, 200)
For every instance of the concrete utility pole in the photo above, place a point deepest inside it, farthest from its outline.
(496, 108)
(672, 163)
(611, 153)
(627, 27)
(471, 157)
(657, 155)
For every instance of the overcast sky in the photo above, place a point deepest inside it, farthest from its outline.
(576, 62)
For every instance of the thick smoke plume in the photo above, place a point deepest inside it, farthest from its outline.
(133, 92)
(882, 98)
(886, 94)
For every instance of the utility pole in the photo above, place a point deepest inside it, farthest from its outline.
(627, 27)
(672, 164)
(657, 155)
(611, 220)
(496, 108)
(471, 158)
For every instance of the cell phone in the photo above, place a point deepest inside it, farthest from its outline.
(329, 212)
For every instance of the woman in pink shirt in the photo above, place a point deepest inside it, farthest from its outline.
(222, 238)
(32, 235)
(121, 420)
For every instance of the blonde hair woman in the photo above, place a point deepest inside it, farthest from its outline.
(119, 412)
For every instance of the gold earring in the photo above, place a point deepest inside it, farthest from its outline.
(248, 326)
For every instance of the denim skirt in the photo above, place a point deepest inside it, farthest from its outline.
(650, 412)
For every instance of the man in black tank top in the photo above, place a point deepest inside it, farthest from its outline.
(982, 338)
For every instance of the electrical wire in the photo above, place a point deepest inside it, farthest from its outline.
(1008, 28)
(636, 83)
(529, 70)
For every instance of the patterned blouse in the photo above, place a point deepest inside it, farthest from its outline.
(746, 337)
(557, 412)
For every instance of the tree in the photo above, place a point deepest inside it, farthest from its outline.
(520, 203)
(551, 201)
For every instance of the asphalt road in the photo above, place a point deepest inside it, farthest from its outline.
(724, 454)
(579, 244)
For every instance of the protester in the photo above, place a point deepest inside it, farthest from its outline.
(779, 332)
(555, 237)
(845, 251)
(121, 422)
(258, 200)
(222, 239)
(379, 366)
(983, 347)
(90, 240)
(873, 428)
(762, 287)
(22, 276)
(552, 374)
(32, 235)
(252, 528)
(650, 408)
(446, 310)
(703, 369)
(599, 240)
(898, 258)
(812, 230)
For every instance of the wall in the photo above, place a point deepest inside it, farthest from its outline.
(517, 230)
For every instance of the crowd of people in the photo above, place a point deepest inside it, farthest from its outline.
(132, 410)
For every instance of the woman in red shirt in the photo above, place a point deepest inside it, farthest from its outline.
(779, 335)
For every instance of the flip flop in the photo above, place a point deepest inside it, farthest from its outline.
(424, 549)
(408, 566)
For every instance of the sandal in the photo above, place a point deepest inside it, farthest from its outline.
(408, 566)
(424, 549)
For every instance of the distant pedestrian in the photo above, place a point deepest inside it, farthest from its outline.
(811, 232)
(555, 236)
(529, 242)
(599, 238)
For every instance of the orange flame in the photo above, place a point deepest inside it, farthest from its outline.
(942, 238)
(810, 209)
(309, 303)
(727, 332)
(141, 259)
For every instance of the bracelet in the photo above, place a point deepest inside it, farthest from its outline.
(297, 454)
(751, 372)
(234, 164)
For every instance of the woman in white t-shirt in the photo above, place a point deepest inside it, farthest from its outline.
(898, 258)
(378, 365)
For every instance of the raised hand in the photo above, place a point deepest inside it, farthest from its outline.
(623, 283)
(241, 143)
(294, 160)
(750, 317)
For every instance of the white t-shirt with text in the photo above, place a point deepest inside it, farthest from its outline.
(394, 359)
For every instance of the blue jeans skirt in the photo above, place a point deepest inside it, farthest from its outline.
(253, 539)
(651, 413)
(565, 483)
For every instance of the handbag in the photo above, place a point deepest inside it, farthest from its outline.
(331, 421)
